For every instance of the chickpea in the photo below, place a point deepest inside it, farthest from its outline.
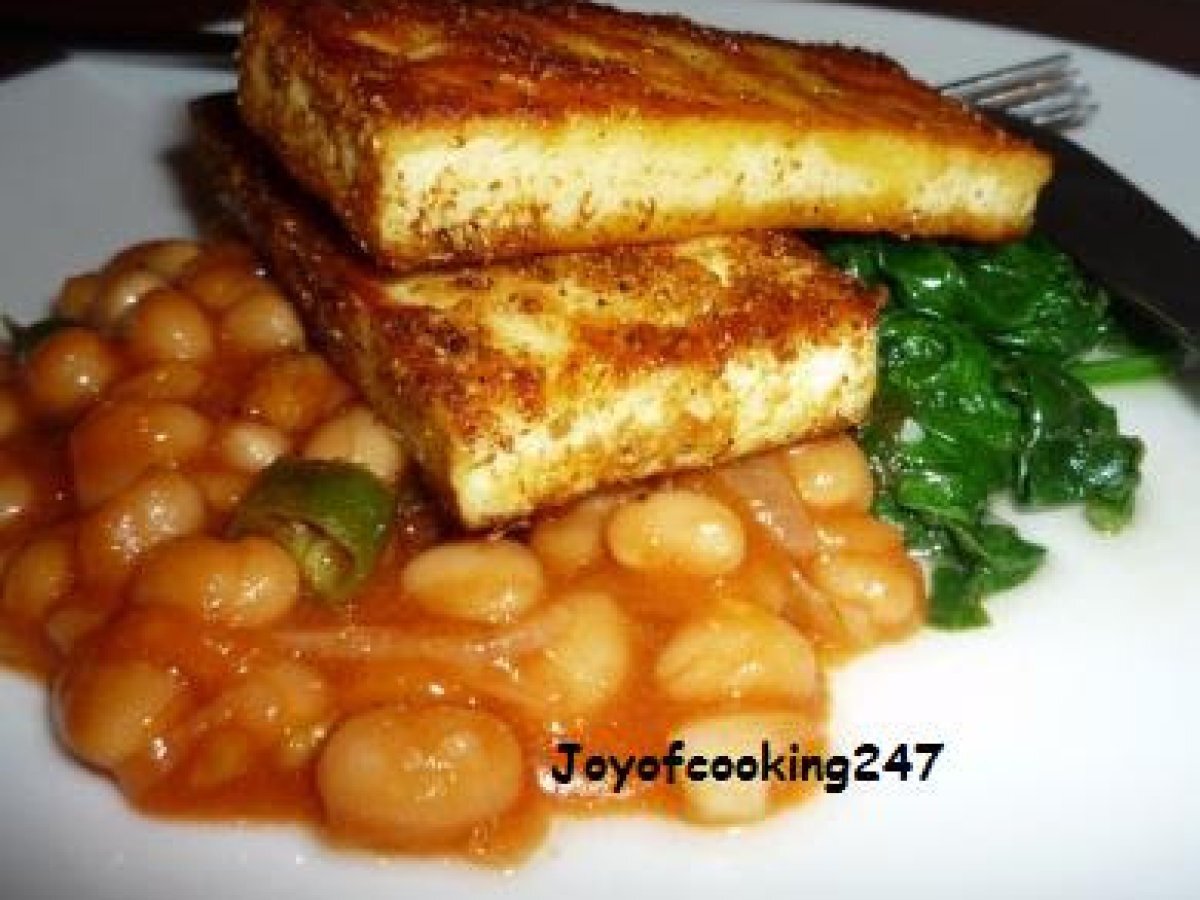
(75, 300)
(38, 576)
(831, 472)
(294, 392)
(887, 588)
(732, 735)
(240, 584)
(735, 651)
(398, 775)
(262, 321)
(492, 582)
(251, 446)
(121, 289)
(842, 529)
(586, 665)
(169, 259)
(159, 506)
(677, 531)
(167, 326)
(357, 436)
(177, 381)
(109, 712)
(119, 441)
(69, 371)
(12, 416)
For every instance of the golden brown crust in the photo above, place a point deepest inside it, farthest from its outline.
(332, 83)
(468, 362)
(543, 60)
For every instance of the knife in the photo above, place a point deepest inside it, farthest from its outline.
(1120, 236)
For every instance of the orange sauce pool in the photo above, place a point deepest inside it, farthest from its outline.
(427, 712)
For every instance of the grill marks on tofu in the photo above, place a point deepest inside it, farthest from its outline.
(458, 131)
(523, 384)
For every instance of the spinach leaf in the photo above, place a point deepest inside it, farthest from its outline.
(981, 359)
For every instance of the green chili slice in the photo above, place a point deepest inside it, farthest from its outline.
(332, 517)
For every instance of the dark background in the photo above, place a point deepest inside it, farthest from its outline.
(1166, 31)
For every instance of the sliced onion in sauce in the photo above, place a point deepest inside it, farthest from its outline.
(765, 490)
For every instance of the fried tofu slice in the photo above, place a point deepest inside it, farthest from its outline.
(471, 130)
(524, 384)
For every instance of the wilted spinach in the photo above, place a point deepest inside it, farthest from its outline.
(982, 355)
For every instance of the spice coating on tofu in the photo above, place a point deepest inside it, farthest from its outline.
(523, 384)
(459, 131)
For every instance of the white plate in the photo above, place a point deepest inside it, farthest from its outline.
(1070, 726)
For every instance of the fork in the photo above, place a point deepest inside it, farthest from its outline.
(1047, 92)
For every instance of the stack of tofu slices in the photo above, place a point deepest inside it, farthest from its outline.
(547, 240)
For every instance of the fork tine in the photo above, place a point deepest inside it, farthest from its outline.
(1026, 91)
(1024, 95)
(1066, 112)
(1020, 71)
(1046, 91)
(1000, 86)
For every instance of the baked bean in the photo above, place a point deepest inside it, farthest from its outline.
(169, 258)
(218, 284)
(243, 583)
(109, 712)
(399, 775)
(68, 625)
(492, 582)
(18, 493)
(38, 576)
(831, 472)
(223, 489)
(737, 651)
(77, 296)
(121, 288)
(261, 321)
(187, 660)
(69, 370)
(275, 699)
(844, 529)
(251, 446)
(120, 440)
(586, 665)
(734, 801)
(886, 587)
(294, 391)
(677, 531)
(220, 757)
(159, 506)
(300, 746)
(357, 436)
(168, 326)
(12, 416)
(573, 539)
(181, 382)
